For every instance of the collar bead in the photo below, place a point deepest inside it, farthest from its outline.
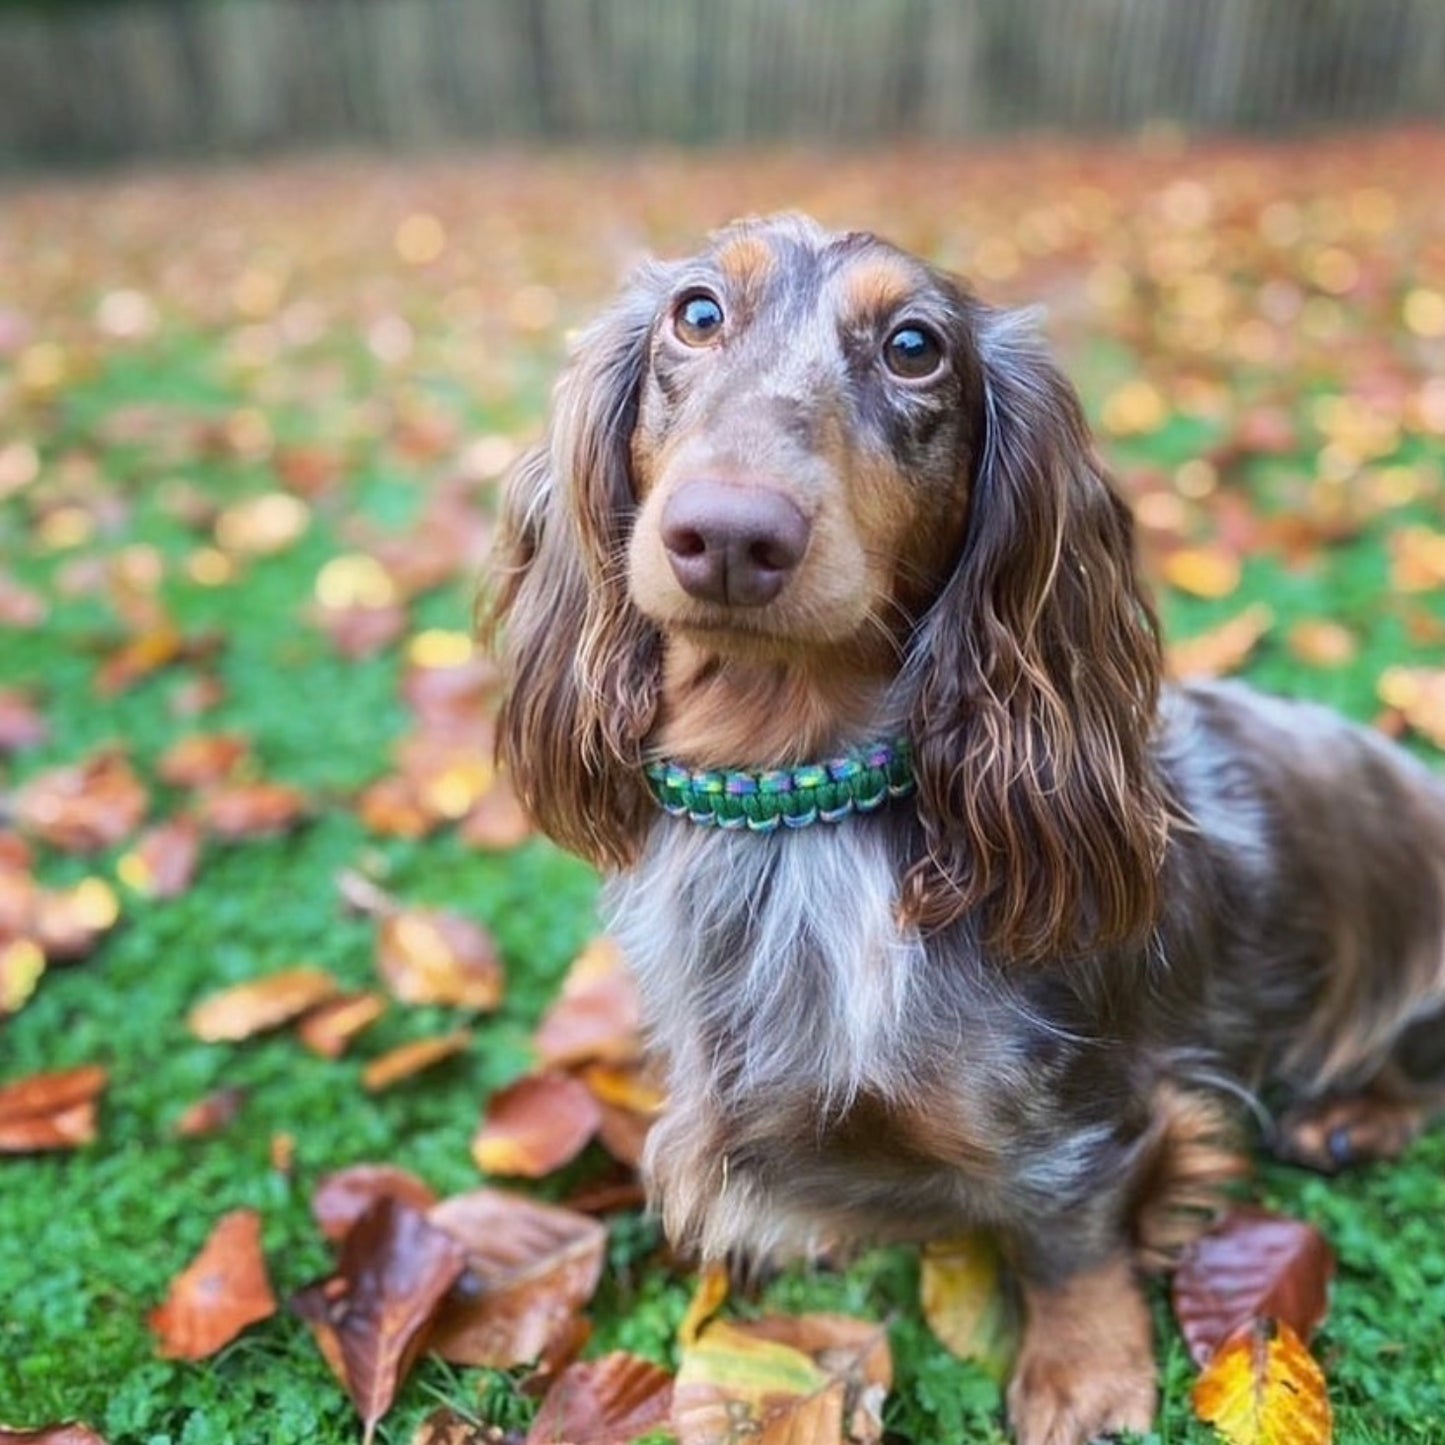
(762, 802)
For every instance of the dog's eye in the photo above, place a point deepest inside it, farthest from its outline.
(912, 353)
(698, 319)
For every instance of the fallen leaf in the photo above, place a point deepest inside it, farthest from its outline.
(68, 922)
(412, 1058)
(393, 808)
(597, 1015)
(262, 526)
(138, 658)
(536, 1125)
(218, 1295)
(71, 1432)
(1208, 572)
(341, 1198)
(21, 725)
(531, 1267)
(330, 1029)
(203, 759)
(608, 1401)
(1223, 649)
(358, 632)
(1264, 1387)
(1318, 642)
(1253, 1265)
(709, 1295)
(1417, 559)
(371, 1317)
(53, 1110)
(498, 822)
(623, 1133)
(967, 1303)
(260, 1004)
(445, 1427)
(210, 1115)
(427, 956)
(251, 810)
(83, 807)
(801, 1380)
(22, 962)
(163, 862)
(1418, 695)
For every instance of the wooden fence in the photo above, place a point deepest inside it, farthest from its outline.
(179, 77)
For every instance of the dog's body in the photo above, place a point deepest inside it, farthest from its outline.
(805, 493)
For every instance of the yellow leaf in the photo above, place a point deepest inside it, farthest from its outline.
(1264, 1387)
(1223, 649)
(967, 1304)
(1203, 571)
(707, 1299)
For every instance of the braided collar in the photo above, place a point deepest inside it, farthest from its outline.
(762, 802)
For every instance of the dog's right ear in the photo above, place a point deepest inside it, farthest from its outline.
(581, 663)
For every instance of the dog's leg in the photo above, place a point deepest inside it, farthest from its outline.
(1086, 1366)
(1383, 1118)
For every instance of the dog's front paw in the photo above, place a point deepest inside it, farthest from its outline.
(1086, 1368)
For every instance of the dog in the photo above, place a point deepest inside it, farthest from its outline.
(825, 640)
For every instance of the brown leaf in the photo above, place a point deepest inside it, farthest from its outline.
(408, 1059)
(68, 922)
(83, 807)
(21, 725)
(203, 759)
(498, 822)
(623, 1133)
(50, 1110)
(1223, 649)
(343, 1197)
(805, 1380)
(223, 1290)
(1263, 1387)
(252, 810)
(445, 1427)
(607, 1401)
(530, 1269)
(210, 1115)
(536, 1125)
(370, 1318)
(163, 862)
(1253, 1265)
(597, 1015)
(72, 1432)
(330, 1029)
(1318, 642)
(427, 956)
(138, 658)
(262, 1003)
(393, 807)
(358, 632)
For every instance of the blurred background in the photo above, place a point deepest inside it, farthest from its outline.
(283, 287)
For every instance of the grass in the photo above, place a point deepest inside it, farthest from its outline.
(90, 1240)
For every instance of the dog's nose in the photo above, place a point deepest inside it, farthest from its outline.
(731, 544)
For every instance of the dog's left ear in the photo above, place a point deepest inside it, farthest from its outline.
(1036, 676)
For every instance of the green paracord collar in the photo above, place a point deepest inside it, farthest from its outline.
(786, 797)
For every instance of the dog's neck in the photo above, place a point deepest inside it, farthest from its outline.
(725, 712)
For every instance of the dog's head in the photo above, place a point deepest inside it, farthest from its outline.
(807, 451)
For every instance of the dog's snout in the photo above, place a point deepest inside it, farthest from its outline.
(733, 544)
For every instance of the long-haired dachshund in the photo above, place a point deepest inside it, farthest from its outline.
(825, 640)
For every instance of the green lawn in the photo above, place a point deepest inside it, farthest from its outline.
(89, 1240)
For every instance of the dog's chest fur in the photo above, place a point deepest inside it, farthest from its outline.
(804, 1035)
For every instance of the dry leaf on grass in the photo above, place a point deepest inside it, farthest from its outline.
(1317, 642)
(21, 724)
(51, 1110)
(968, 1305)
(1208, 571)
(330, 1029)
(1253, 1265)
(68, 922)
(210, 1115)
(263, 1003)
(498, 822)
(224, 1289)
(597, 1015)
(83, 807)
(202, 760)
(536, 1125)
(370, 1318)
(1223, 649)
(427, 956)
(607, 1401)
(803, 1380)
(408, 1059)
(251, 810)
(1264, 1388)
(341, 1198)
(162, 864)
(138, 657)
(22, 963)
(72, 1432)
(531, 1268)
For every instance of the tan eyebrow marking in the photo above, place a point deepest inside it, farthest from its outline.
(746, 260)
(878, 285)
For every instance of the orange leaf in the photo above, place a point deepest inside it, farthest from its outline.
(1264, 1388)
(210, 1115)
(370, 1318)
(408, 1059)
(50, 1110)
(597, 1014)
(84, 807)
(203, 759)
(70, 1433)
(330, 1029)
(536, 1125)
(431, 957)
(498, 822)
(1225, 648)
(252, 810)
(1252, 1265)
(263, 1003)
(163, 862)
(138, 658)
(1321, 643)
(530, 1269)
(224, 1289)
(1203, 571)
(608, 1401)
